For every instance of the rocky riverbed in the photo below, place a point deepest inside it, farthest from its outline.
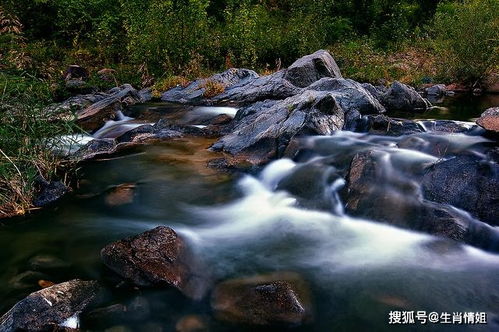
(298, 200)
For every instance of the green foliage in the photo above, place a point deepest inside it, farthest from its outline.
(24, 130)
(467, 38)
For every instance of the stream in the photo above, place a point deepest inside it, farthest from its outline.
(288, 216)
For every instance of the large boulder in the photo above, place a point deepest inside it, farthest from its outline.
(350, 95)
(312, 68)
(489, 120)
(158, 257)
(273, 86)
(50, 308)
(401, 97)
(467, 182)
(273, 299)
(197, 92)
(264, 134)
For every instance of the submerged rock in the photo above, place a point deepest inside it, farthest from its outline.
(51, 307)
(384, 125)
(489, 120)
(192, 323)
(264, 134)
(158, 257)
(273, 299)
(401, 97)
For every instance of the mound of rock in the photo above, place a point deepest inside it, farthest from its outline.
(273, 299)
(54, 307)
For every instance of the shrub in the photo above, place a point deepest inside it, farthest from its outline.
(212, 88)
(467, 38)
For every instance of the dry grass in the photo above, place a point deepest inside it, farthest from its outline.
(167, 83)
(212, 88)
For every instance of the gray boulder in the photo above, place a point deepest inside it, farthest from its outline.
(312, 68)
(264, 134)
(273, 86)
(436, 90)
(350, 95)
(51, 307)
(401, 97)
(194, 93)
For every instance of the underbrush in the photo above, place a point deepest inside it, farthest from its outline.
(24, 129)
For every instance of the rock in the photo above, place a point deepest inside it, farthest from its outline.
(120, 195)
(267, 87)
(373, 194)
(466, 182)
(273, 299)
(50, 307)
(375, 91)
(158, 257)
(450, 127)
(350, 95)
(49, 192)
(312, 68)
(45, 283)
(192, 323)
(145, 95)
(401, 97)
(436, 90)
(26, 280)
(194, 93)
(48, 264)
(75, 72)
(94, 116)
(489, 120)
(137, 310)
(264, 134)
(384, 125)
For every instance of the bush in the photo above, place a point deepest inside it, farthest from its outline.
(467, 39)
(24, 130)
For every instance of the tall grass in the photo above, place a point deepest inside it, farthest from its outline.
(24, 130)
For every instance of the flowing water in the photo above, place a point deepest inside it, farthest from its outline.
(290, 216)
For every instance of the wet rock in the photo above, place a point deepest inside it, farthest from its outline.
(194, 93)
(274, 299)
(136, 310)
(450, 127)
(401, 97)
(96, 147)
(50, 307)
(48, 264)
(192, 323)
(467, 182)
(145, 95)
(94, 116)
(489, 120)
(312, 68)
(375, 91)
(265, 133)
(384, 125)
(120, 195)
(375, 195)
(49, 192)
(26, 279)
(158, 257)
